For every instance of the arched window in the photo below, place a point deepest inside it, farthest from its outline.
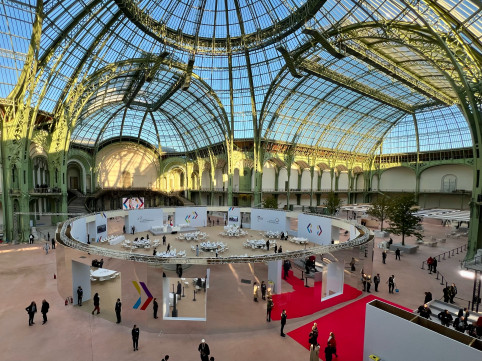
(449, 183)
(126, 179)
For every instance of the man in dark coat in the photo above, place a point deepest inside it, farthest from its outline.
(80, 294)
(44, 310)
(445, 318)
(96, 303)
(397, 254)
(204, 350)
(118, 308)
(155, 307)
(376, 281)
(31, 310)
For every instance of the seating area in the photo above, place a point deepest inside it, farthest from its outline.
(193, 236)
(103, 274)
(233, 231)
(258, 244)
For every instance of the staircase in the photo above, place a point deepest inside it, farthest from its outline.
(77, 205)
(437, 306)
(184, 201)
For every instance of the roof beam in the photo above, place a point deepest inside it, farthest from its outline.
(324, 73)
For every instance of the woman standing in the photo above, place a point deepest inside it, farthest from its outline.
(332, 343)
(314, 351)
(31, 309)
(255, 292)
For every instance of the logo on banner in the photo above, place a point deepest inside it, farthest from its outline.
(309, 229)
(320, 231)
(146, 290)
(194, 215)
(231, 209)
(188, 218)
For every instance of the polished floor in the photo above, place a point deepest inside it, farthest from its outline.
(27, 274)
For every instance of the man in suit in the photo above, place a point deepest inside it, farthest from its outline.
(283, 322)
(118, 308)
(376, 281)
(80, 294)
(135, 337)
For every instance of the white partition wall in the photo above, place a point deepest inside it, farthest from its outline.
(333, 278)
(316, 229)
(144, 219)
(395, 338)
(234, 216)
(101, 226)
(194, 216)
(81, 277)
(274, 275)
(78, 230)
(268, 220)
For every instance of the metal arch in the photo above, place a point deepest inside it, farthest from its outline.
(108, 26)
(90, 8)
(174, 124)
(159, 144)
(264, 37)
(363, 237)
(375, 146)
(185, 110)
(140, 126)
(324, 73)
(114, 114)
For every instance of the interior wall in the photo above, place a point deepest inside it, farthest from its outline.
(360, 181)
(294, 177)
(120, 161)
(269, 176)
(343, 180)
(431, 178)
(397, 179)
(283, 177)
(306, 179)
(326, 179)
(205, 180)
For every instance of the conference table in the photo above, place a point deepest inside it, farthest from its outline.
(117, 240)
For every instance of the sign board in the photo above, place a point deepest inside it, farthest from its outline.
(133, 203)
(234, 216)
(268, 220)
(315, 228)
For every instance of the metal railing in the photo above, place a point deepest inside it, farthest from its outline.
(452, 251)
(362, 238)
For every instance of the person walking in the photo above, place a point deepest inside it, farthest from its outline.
(384, 256)
(96, 303)
(46, 248)
(53, 243)
(197, 250)
(397, 254)
(204, 351)
(328, 354)
(155, 307)
(44, 310)
(332, 343)
(283, 322)
(428, 297)
(286, 268)
(434, 265)
(135, 337)
(164, 240)
(80, 294)
(314, 351)
(118, 308)
(269, 308)
(30, 239)
(313, 336)
(255, 292)
(263, 290)
(391, 283)
(352, 264)
(376, 281)
(31, 310)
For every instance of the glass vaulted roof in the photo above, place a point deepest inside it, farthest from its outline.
(187, 74)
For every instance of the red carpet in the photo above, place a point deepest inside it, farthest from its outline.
(304, 301)
(348, 325)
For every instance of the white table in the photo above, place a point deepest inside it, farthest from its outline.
(117, 240)
(300, 240)
(103, 274)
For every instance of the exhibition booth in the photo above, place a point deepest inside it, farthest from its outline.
(182, 281)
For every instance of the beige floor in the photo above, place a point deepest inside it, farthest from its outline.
(26, 274)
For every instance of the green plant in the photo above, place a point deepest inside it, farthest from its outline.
(270, 202)
(332, 203)
(402, 219)
(379, 209)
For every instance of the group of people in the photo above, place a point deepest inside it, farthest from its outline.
(449, 293)
(265, 295)
(97, 263)
(432, 264)
(330, 348)
(32, 310)
(461, 323)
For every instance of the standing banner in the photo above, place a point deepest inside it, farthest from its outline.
(234, 216)
(315, 228)
(268, 220)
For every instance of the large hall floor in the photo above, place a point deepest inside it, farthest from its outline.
(27, 274)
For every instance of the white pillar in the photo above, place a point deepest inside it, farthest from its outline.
(274, 275)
